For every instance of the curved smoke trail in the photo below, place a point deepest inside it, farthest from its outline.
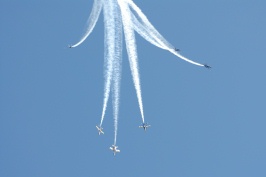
(154, 34)
(142, 30)
(148, 26)
(96, 10)
(131, 50)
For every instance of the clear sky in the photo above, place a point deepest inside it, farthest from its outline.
(205, 123)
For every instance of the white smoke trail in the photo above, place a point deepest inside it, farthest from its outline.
(117, 67)
(109, 54)
(96, 9)
(149, 27)
(142, 30)
(154, 34)
(131, 50)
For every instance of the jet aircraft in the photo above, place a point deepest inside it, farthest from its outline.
(177, 50)
(100, 129)
(69, 46)
(207, 66)
(144, 126)
(114, 149)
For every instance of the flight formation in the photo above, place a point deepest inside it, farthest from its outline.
(122, 18)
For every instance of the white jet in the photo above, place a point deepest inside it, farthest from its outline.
(114, 149)
(100, 129)
(144, 126)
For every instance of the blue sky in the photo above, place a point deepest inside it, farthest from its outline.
(204, 122)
